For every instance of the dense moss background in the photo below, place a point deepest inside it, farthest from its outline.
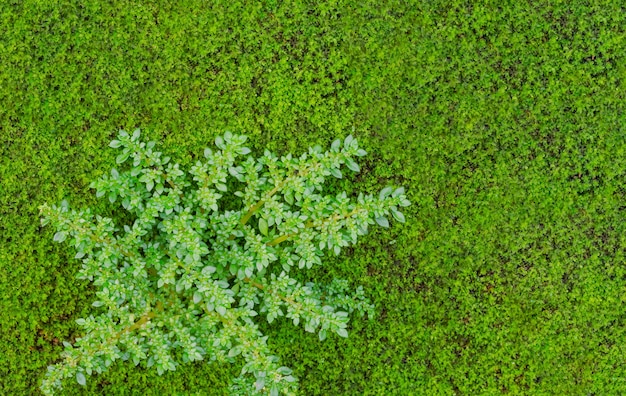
(505, 121)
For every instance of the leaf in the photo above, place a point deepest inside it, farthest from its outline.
(398, 216)
(221, 187)
(209, 269)
(97, 304)
(259, 384)
(136, 134)
(234, 351)
(342, 333)
(122, 157)
(289, 197)
(80, 378)
(336, 172)
(197, 297)
(115, 144)
(221, 310)
(361, 153)
(263, 226)
(398, 191)
(208, 152)
(336, 145)
(219, 142)
(233, 171)
(150, 185)
(383, 222)
(348, 141)
(284, 370)
(384, 193)
(60, 236)
(322, 335)
(353, 166)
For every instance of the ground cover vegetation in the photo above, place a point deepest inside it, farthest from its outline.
(504, 121)
(187, 278)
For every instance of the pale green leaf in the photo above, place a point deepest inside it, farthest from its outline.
(398, 216)
(80, 378)
(234, 351)
(383, 222)
(384, 193)
(122, 157)
(219, 142)
(398, 191)
(263, 226)
(348, 141)
(60, 236)
(353, 166)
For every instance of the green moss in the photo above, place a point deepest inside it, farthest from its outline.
(505, 123)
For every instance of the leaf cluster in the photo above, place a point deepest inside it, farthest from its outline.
(185, 280)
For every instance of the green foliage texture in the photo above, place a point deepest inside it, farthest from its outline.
(505, 121)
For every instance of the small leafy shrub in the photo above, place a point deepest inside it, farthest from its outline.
(185, 279)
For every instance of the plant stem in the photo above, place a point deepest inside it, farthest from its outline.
(259, 204)
(310, 224)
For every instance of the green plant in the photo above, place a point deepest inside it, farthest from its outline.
(185, 280)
